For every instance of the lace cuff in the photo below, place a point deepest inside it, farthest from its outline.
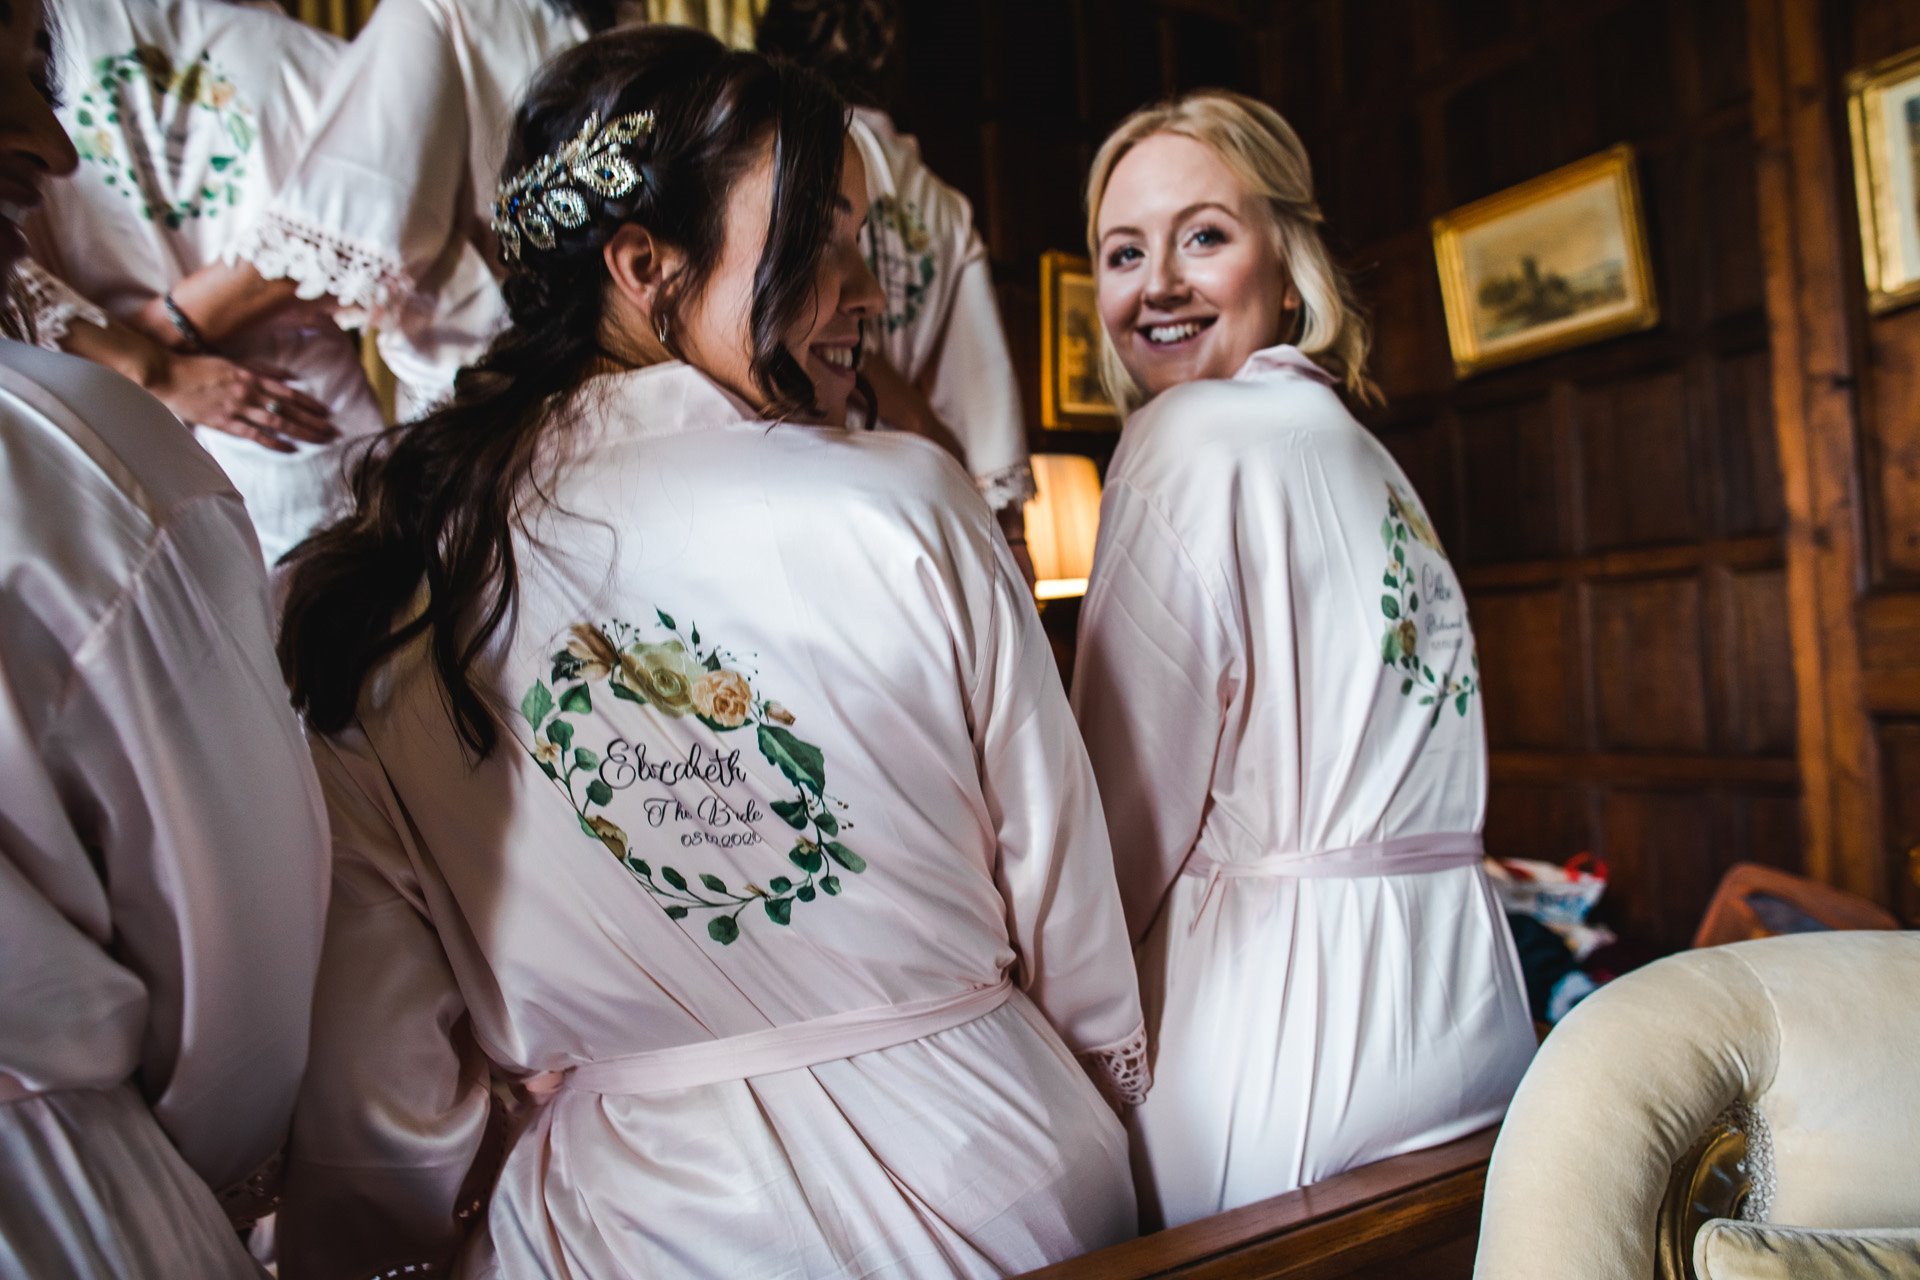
(256, 1195)
(51, 305)
(1007, 487)
(366, 284)
(1120, 1070)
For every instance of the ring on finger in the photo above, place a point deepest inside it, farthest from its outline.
(274, 406)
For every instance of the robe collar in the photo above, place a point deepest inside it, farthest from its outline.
(663, 400)
(1284, 358)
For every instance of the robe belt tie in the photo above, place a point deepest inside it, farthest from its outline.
(776, 1049)
(1406, 856)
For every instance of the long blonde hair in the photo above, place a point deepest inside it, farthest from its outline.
(1263, 151)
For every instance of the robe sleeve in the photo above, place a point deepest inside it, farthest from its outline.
(1153, 675)
(179, 753)
(394, 1111)
(1055, 867)
(52, 306)
(375, 202)
(973, 389)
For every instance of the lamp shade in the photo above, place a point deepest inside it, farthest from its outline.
(1063, 518)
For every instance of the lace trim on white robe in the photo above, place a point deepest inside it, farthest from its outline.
(1007, 487)
(51, 304)
(1120, 1070)
(367, 284)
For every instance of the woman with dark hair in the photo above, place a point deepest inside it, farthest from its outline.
(696, 765)
(941, 366)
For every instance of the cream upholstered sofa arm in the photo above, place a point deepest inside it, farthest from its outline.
(1818, 1033)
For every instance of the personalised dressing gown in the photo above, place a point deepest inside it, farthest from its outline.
(941, 327)
(186, 114)
(163, 844)
(782, 741)
(1276, 672)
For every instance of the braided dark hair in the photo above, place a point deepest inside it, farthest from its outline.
(436, 501)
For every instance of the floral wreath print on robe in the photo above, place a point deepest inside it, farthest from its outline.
(900, 254)
(1400, 646)
(177, 91)
(676, 677)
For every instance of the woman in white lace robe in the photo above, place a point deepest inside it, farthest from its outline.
(186, 113)
(758, 852)
(1278, 685)
(384, 212)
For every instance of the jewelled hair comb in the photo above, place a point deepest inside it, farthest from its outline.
(547, 192)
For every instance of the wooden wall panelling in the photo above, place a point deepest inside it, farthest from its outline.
(1900, 750)
(1803, 238)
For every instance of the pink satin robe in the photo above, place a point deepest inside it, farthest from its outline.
(162, 843)
(782, 739)
(1276, 663)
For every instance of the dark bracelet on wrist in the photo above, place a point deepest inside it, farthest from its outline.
(189, 331)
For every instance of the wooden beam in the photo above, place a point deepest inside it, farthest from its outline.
(1803, 246)
(1395, 1211)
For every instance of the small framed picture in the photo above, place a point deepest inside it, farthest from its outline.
(1556, 262)
(1071, 397)
(1883, 114)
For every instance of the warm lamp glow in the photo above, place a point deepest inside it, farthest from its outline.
(1062, 521)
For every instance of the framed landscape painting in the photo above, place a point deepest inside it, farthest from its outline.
(1883, 114)
(1556, 262)
(1071, 396)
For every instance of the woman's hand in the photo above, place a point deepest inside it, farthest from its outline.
(257, 405)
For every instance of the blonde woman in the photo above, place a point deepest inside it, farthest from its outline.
(1278, 686)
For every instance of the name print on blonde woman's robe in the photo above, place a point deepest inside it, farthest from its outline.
(1414, 641)
(680, 679)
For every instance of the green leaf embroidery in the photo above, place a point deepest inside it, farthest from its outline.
(598, 792)
(791, 812)
(673, 878)
(806, 858)
(1390, 606)
(625, 694)
(779, 884)
(780, 910)
(584, 759)
(830, 885)
(577, 700)
(846, 857)
(666, 620)
(536, 705)
(804, 893)
(676, 913)
(1413, 603)
(1460, 704)
(560, 733)
(713, 882)
(828, 824)
(723, 929)
(801, 762)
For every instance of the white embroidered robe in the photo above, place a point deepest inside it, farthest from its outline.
(386, 210)
(1275, 662)
(782, 740)
(941, 327)
(162, 841)
(186, 114)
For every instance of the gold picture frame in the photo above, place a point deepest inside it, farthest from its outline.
(1071, 397)
(1556, 262)
(1883, 115)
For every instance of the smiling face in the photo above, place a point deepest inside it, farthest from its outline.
(1190, 277)
(33, 147)
(717, 332)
